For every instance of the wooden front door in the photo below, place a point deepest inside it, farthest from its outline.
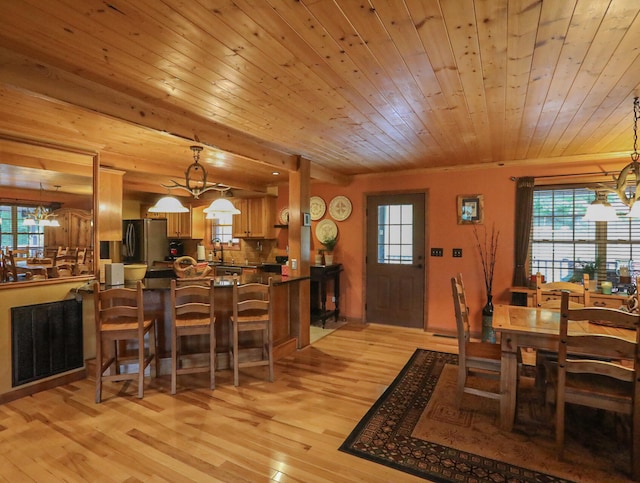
(395, 277)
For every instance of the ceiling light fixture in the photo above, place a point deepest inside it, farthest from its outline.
(221, 206)
(168, 204)
(41, 216)
(600, 210)
(196, 177)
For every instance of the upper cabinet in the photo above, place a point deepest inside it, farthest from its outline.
(256, 219)
(110, 205)
(188, 225)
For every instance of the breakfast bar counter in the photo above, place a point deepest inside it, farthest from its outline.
(288, 324)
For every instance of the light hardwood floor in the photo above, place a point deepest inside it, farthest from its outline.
(285, 431)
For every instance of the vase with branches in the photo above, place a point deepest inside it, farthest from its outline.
(488, 249)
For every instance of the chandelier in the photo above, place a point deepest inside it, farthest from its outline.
(41, 216)
(600, 209)
(196, 184)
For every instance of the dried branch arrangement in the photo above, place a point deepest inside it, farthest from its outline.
(488, 247)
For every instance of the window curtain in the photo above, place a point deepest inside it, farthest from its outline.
(524, 213)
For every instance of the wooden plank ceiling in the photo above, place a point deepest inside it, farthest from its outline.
(356, 86)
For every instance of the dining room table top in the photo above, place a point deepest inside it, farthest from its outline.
(535, 320)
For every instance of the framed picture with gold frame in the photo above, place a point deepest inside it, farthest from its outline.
(470, 209)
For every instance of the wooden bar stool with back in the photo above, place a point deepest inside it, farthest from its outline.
(252, 312)
(192, 313)
(119, 316)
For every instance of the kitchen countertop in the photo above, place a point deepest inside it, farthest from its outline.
(224, 281)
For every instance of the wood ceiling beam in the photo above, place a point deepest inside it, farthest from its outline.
(26, 73)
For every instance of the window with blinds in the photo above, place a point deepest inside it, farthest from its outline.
(15, 234)
(563, 246)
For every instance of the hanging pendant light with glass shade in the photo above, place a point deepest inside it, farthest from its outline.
(221, 206)
(168, 204)
(626, 196)
(600, 209)
(196, 184)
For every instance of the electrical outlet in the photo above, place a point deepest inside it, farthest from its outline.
(456, 253)
(437, 252)
(333, 299)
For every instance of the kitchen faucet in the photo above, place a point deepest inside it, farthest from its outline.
(218, 245)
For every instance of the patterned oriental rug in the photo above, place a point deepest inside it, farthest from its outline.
(416, 428)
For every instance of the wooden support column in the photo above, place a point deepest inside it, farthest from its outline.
(300, 249)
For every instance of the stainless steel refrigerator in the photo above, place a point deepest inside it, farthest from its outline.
(144, 241)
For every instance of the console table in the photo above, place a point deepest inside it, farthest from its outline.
(320, 276)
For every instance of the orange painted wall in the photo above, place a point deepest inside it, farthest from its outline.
(443, 231)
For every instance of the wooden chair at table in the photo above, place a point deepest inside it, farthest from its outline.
(477, 358)
(119, 316)
(192, 313)
(9, 267)
(553, 291)
(65, 265)
(252, 311)
(599, 378)
(581, 291)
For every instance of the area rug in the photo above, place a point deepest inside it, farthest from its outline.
(416, 427)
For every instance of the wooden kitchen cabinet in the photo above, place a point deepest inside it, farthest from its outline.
(186, 225)
(256, 219)
(75, 230)
(110, 205)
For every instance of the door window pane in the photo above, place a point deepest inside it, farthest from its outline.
(395, 234)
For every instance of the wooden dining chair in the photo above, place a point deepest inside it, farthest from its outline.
(605, 376)
(548, 294)
(192, 313)
(119, 317)
(252, 317)
(476, 358)
(9, 267)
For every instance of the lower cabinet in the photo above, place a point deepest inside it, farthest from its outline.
(46, 339)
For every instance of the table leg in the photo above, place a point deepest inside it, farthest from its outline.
(508, 383)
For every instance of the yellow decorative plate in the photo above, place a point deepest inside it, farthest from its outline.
(284, 216)
(340, 208)
(317, 207)
(326, 229)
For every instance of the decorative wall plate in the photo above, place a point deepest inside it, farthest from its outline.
(317, 207)
(284, 216)
(326, 229)
(340, 208)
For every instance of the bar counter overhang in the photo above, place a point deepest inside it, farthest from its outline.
(290, 324)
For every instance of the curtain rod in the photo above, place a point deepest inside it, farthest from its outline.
(567, 175)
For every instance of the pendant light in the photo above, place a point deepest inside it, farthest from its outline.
(600, 211)
(168, 204)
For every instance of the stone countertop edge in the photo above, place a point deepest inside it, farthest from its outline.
(220, 282)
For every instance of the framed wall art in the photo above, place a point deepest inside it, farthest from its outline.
(470, 209)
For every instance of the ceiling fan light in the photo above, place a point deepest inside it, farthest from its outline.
(222, 205)
(168, 204)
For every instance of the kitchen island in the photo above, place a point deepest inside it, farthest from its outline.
(288, 325)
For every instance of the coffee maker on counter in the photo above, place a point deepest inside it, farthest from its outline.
(176, 250)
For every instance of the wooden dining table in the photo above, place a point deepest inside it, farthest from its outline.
(537, 328)
(42, 267)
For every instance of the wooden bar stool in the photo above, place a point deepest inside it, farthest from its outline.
(252, 312)
(119, 316)
(192, 313)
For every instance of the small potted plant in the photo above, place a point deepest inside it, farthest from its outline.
(329, 244)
